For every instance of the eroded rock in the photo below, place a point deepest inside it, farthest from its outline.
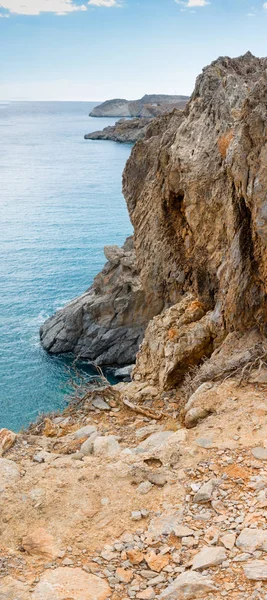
(106, 324)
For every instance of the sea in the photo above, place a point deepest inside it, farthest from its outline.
(60, 203)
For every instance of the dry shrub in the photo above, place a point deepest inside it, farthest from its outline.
(238, 366)
(224, 142)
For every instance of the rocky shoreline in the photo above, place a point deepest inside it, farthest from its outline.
(124, 131)
(107, 323)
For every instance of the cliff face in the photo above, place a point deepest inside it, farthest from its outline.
(196, 193)
(149, 106)
(99, 325)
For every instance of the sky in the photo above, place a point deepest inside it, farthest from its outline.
(100, 49)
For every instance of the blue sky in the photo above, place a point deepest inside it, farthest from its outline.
(80, 50)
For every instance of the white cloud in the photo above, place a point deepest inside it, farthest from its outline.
(193, 3)
(35, 7)
(265, 5)
(107, 3)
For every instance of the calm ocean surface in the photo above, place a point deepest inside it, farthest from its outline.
(60, 203)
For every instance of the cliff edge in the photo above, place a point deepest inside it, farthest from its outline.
(195, 191)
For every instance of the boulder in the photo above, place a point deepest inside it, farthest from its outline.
(65, 582)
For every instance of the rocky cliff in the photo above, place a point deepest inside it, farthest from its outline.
(195, 190)
(149, 106)
(124, 131)
(106, 324)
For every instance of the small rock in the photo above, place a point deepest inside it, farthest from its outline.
(67, 562)
(158, 479)
(124, 575)
(183, 531)
(87, 446)
(144, 487)
(228, 540)
(251, 540)
(153, 441)
(106, 446)
(256, 570)
(147, 594)
(100, 404)
(77, 456)
(38, 458)
(84, 432)
(136, 515)
(7, 439)
(188, 585)
(124, 371)
(156, 562)
(205, 492)
(209, 557)
(135, 556)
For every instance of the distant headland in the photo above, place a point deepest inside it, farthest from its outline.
(149, 106)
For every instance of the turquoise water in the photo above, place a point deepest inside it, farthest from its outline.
(60, 203)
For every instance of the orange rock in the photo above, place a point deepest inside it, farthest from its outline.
(157, 562)
(172, 333)
(40, 542)
(7, 439)
(135, 556)
(125, 576)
